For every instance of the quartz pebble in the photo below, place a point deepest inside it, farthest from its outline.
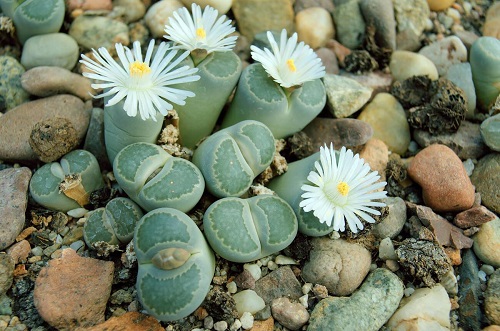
(158, 14)
(248, 301)
(314, 26)
(53, 49)
(291, 315)
(246, 320)
(405, 64)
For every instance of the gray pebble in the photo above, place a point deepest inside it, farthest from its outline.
(6, 272)
(13, 190)
(379, 14)
(490, 131)
(468, 293)
(349, 23)
(492, 299)
(460, 74)
(392, 225)
(366, 309)
(12, 93)
(281, 282)
(446, 52)
(345, 96)
(486, 180)
(53, 49)
(98, 31)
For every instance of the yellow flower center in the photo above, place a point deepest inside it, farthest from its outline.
(291, 65)
(139, 69)
(343, 188)
(201, 33)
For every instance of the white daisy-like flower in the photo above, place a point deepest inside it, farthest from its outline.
(145, 84)
(343, 190)
(289, 64)
(201, 30)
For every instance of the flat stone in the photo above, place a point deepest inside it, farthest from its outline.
(367, 309)
(473, 217)
(442, 176)
(345, 96)
(469, 290)
(486, 180)
(487, 243)
(52, 49)
(393, 223)
(12, 93)
(16, 125)
(492, 298)
(466, 142)
(490, 131)
(98, 31)
(337, 264)
(279, 283)
(292, 315)
(13, 190)
(86, 284)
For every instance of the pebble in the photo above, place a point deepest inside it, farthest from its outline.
(491, 26)
(245, 280)
(20, 251)
(490, 131)
(376, 155)
(130, 321)
(339, 131)
(12, 93)
(86, 284)
(279, 283)
(98, 31)
(377, 80)
(303, 4)
(466, 142)
(388, 119)
(492, 298)
(405, 64)
(386, 250)
(426, 309)
(254, 16)
(474, 216)
(339, 265)
(379, 14)
(445, 53)
(220, 326)
(45, 81)
(15, 126)
(314, 26)
(393, 223)
(158, 14)
(438, 5)
(345, 96)
(14, 189)
(53, 49)
(366, 309)
(411, 17)
(469, 290)
(460, 74)
(442, 176)
(486, 180)
(487, 243)
(248, 301)
(349, 23)
(329, 60)
(292, 315)
(246, 320)
(6, 272)
(130, 10)
(254, 270)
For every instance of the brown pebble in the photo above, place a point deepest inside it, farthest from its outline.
(442, 176)
(19, 251)
(131, 321)
(245, 280)
(266, 325)
(53, 138)
(86, 285)
(473, 217)
(376, 154)
(454, 255)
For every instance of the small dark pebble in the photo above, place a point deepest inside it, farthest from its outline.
(220, 304)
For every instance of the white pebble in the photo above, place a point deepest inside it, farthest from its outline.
(220, 326)
(254, 270)
(246, 320)
(272, 265)
(453, 13)
(482, 275)
(232, 287)
(248, 301)
(409, 291)
(284, 260)
(236, 325)
(306, 288)
(265, 260)
(77, 212)
(303, 300)
(208, 322)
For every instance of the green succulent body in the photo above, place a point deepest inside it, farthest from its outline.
(113, 224)
(244, 230)
(176, 265)
(219, 73)
(485, 66)
(45, 184)
(231, 158)
(121, 130)
(34, 17)
(287, 186)
(155, 179)
(259, 98)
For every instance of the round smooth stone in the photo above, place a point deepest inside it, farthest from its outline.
(314, 26)
(158, 14)
(490, 131)
(405, 64)
(53, 49)
(12, 93)
(438, 5)
(98, 31)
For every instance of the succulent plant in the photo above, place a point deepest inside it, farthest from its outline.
(259, 98)
(34, 17)
(485, 66)
(155, 179)
(176, 265)
(113, 224)
(219, 74)
(231, 158)
(244, 230)
(287, 187)
(66, 185)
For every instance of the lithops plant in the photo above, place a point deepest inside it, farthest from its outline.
(485, 66)
(176, 265)
(34, 17)
(66, 185)
(155, 179)
(287, 187)
(231, 158)
(283, 91)
(205, 36)
(244, 230)
(113, 224)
